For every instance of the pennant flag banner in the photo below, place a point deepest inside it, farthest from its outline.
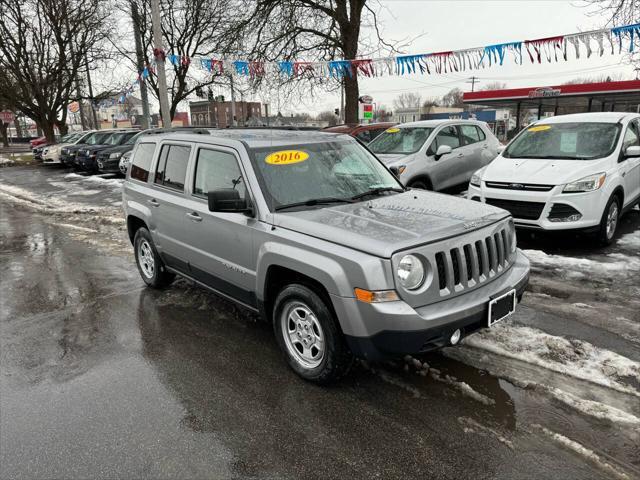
(540, 50)
(549, 49)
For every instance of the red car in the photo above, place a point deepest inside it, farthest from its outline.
(36, 142)
(364, 133)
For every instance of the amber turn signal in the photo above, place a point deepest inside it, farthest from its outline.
(368, 296)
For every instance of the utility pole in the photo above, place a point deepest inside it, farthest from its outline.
(160, 59)
(233, 102)
(76, 81)
(472, 81)
(135, 16)
(93, 110)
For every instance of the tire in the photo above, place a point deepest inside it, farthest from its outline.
(420, 185)
(300, 315)
(609, 222)
(150, 266)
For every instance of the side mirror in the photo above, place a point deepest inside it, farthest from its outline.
(632, 151)
(395, 171)
(443, 150)
(227, 200)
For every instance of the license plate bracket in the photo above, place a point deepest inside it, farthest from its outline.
(501, 307)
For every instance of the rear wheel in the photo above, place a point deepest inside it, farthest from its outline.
(308, 335)
(609, 221)
(150, 266)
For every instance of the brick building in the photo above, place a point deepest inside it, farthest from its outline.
(205, 113)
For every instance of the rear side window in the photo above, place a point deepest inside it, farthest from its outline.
(469, 134)
(172, 166)
(375, 132)
(215, 170)
(142, 161)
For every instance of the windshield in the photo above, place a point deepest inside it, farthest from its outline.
(82, 138)
(119, 138)
(98, 138)
(133, 139)
(68, 137)
(403, 140)
(336, 169)
(565, 141)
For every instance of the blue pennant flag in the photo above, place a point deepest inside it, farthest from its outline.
(340, 68)
(408, 63)
(174, 59)
(496, 52)
(242, 67)
(286, 67)
(206, 63)
(631, 30)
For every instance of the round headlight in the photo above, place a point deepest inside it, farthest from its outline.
(410, 272)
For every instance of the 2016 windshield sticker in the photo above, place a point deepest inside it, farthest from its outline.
(392, 130)
(286, 157)
(540, 128)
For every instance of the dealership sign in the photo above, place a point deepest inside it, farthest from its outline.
(545, 92)
(6, 116)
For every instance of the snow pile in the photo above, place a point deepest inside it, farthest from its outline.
(631, 240)
(5, 162)
(590, 407)
(571, 357)
(97, 179)
(45, 204)
(559, 262)
(470, 425)
(583, 452)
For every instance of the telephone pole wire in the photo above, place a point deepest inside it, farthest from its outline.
(472, 81)
(160, 59)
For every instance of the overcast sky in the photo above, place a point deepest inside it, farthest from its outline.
(452, 25)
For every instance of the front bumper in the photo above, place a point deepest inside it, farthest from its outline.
(88, 164)
(382, 330)
(107, 165)
(589, 205)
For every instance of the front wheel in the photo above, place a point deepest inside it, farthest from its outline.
(420, 185)
(308, 335)
(150, 266)
(609, 221)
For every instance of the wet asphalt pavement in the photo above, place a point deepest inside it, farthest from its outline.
(104, 378)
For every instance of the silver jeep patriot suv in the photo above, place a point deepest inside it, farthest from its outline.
(313, 232)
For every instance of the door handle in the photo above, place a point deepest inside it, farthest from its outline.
(194, 216)
(153, 202)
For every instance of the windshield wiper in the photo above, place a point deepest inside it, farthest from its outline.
(377, 191)
(314, 201)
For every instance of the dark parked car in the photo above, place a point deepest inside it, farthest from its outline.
(108, 159)
(99, 137)
(364, 133)
(86, 159)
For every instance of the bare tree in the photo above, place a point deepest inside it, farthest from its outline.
(494, 86)
(616, 13)
(382, 114)
(190, 28)
(611, 77)
(328, 116)
(407, 100)
(453, 98)
(43, 46)
(327, 29)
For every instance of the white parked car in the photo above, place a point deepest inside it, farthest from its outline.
(51, 153)
(436, 154)
(577, 171)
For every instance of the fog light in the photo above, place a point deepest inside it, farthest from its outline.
(455, 338)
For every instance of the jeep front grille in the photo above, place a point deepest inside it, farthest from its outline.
(473, 263)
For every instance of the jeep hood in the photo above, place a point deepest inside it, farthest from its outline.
(394, 222)
(540, 171)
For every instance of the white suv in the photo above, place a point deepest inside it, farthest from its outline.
(577, 171)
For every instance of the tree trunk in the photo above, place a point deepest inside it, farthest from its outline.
(4, 127)
(351, 95)
(16, 123)
(48, 130)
